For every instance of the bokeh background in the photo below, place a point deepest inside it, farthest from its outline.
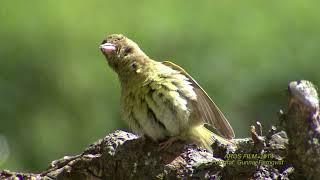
(57, 94)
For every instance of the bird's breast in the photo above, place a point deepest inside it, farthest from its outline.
(159, 108)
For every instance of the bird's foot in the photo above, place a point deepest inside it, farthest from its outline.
(167, 143)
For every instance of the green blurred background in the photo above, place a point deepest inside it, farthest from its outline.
(57, 94)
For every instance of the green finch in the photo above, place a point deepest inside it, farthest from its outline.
(161, 100)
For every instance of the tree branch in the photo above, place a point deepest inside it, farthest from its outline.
(122, 155)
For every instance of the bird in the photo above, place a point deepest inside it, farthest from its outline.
(160, 100)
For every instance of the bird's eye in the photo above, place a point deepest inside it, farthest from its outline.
(127, 50)
(133, 66)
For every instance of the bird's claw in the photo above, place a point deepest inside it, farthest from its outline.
(166, 144)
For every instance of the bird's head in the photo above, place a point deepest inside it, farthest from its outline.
(122, 53)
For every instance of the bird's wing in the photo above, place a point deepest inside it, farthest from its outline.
(210, 111)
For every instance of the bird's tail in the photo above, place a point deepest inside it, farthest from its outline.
(205, 138)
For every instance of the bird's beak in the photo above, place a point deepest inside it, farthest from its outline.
(107, 48)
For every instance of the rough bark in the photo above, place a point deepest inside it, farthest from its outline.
(289, 150)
